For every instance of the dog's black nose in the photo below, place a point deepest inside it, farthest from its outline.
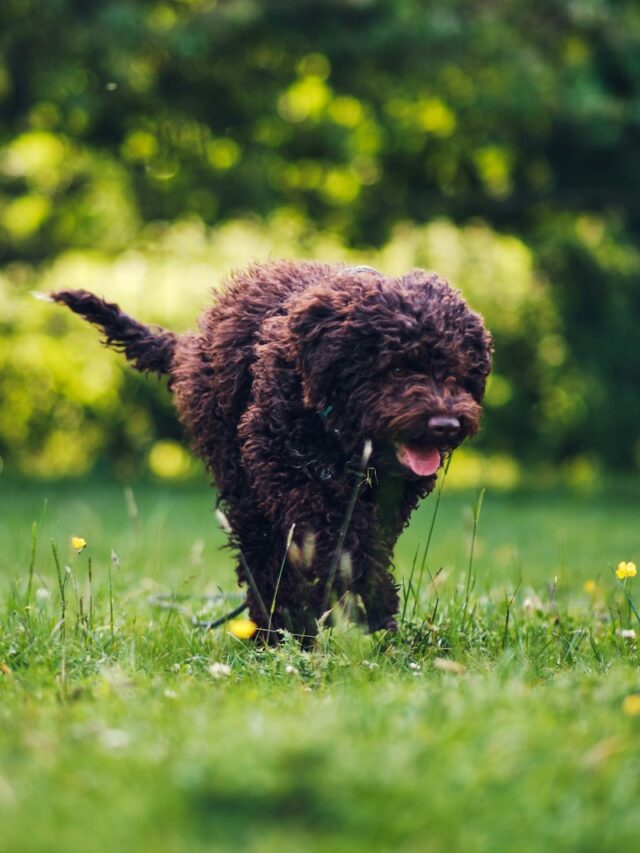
(443, 426)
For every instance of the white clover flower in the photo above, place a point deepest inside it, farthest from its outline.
(219, 670)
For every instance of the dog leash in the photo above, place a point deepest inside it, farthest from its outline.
(169, 601)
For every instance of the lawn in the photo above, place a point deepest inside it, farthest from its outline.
(503, 719)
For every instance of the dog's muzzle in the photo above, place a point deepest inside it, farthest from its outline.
(444, 428)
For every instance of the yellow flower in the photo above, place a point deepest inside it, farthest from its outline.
(590, 587)
(243, 629)
(78, 543)
(631, 705)
(626, 570)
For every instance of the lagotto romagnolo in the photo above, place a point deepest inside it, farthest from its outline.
(297, 370)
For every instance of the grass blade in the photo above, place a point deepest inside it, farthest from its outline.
(477, 509)
(430, 534)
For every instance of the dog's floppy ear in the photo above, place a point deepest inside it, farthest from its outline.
(479, 346)
(318, 341)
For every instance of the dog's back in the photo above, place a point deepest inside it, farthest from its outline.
(211, 371)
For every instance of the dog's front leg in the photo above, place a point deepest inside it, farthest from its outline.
(379, 593)
(335, 551)
(337, 545)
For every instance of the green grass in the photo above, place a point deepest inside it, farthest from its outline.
(496, 723)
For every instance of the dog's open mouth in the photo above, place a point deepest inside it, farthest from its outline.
(423, 461)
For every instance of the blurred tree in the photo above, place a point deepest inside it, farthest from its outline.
(355, 115)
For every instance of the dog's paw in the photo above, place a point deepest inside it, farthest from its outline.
(387, 623)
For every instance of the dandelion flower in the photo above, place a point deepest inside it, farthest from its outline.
(590, 587)
(631, 705)
(78, 543)
(626, 570)
(243, 629)
(219, 670)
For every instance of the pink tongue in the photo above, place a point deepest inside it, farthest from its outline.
(424, 463)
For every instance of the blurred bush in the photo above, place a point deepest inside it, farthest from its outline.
(149, 146)
(68, 403)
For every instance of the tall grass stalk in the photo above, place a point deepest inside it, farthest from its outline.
(346, 521)
(254, 586)
(470, 582)
(596, 649)
(113, 563)
(226, 526)
(90, 573)
(32, 561)
(632, 608)
(407, 588)
(74, 583)
(418, 587)
(574, 643)
(277, 587)
(62, 587)
(509, 604)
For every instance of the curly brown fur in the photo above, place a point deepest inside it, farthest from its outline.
(292, 371)
(149, 349)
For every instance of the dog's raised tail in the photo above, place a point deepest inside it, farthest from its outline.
(149, 349)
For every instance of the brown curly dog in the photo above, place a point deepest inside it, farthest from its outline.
(324, 397)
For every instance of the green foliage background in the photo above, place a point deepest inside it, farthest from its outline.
(147, 148)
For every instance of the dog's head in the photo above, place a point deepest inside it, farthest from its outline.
(403, 362)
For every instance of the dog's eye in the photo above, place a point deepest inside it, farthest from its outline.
(397, 371)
